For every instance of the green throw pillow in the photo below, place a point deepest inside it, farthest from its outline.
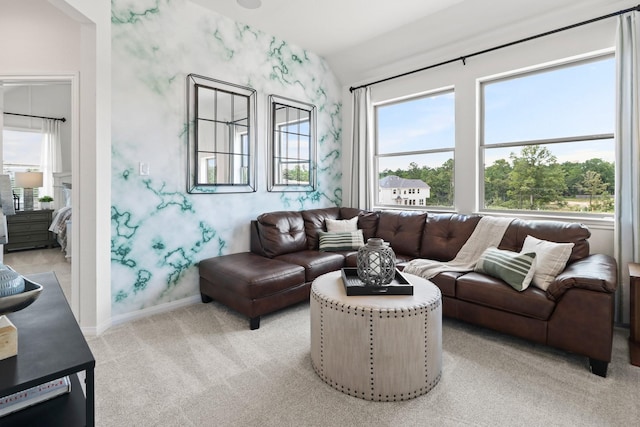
(514, 268)
(344, 241)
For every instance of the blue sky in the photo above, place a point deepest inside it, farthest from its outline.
(21, 147)
(570, 101)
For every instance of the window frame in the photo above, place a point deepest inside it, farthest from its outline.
(450, 89)
(482, 147)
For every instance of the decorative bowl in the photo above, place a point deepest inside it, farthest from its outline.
(10, 282)
(16, 302)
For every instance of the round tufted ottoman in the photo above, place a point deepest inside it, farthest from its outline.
(382, 347)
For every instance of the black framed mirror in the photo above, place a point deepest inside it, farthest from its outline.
(222, 127)
(292, 145)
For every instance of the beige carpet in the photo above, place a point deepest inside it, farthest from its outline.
(202, 366)
(41, 261)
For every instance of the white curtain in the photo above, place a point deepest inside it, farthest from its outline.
(50, 155)
(627, 234)
(361, 182)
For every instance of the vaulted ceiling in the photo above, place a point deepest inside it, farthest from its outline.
(358, 37)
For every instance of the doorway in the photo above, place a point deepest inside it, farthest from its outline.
(25, 102)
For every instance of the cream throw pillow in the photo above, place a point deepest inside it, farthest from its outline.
(341, 225)
(551, 258)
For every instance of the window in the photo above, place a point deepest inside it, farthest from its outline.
(415, 140)
(21, 153)
(547, 139)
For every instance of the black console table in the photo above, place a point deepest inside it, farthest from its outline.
(50, 346)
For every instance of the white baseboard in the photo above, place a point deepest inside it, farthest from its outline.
(96, 330)
(161, 308)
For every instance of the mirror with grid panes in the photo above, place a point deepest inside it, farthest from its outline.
(222, 147)
(292, 145)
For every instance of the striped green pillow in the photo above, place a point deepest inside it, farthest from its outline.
(343, 241)
(514, 268)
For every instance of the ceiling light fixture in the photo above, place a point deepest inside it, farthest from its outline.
(250, 4)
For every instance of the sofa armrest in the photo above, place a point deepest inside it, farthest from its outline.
(596, 272)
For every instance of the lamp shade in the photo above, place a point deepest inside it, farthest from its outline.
(28, 179)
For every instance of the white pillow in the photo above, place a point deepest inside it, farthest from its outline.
(551, 258)
(341, 225)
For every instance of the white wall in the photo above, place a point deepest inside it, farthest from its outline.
(37, 38)
(92, 156)
(72, 38)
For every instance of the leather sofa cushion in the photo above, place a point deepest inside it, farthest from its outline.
(554, 231)
(445, 234)
(490, 292)
(350, 259)
(402, 230)
(367, 221)
(402, 258)
(251, 276)
(314, 221)
(315, 263)
(446, 281)
(282, 233)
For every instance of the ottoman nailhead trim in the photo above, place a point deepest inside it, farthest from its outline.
(371, 370)
(426, 347)
(321, 340)
(423, 309)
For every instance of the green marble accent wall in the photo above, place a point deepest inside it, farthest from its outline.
(159, 231)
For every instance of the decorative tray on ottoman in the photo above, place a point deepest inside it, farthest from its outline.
(354, 286)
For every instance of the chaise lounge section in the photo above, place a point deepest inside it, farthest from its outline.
(575, 313)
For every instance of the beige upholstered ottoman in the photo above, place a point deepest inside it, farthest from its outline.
(382, 347)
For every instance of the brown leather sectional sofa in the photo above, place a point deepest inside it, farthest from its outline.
(575, 313)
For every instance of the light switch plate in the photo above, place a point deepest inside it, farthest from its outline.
(144, 168)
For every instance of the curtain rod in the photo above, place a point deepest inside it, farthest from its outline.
(37, 117)
(464, 58)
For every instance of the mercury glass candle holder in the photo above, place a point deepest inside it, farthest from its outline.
(376, 263)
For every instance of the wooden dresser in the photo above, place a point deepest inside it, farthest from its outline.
(29, 229)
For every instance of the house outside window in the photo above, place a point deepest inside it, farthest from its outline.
(415, 141)
(391, 186)
(547, 139)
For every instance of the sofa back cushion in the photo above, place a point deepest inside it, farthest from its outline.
(403, 230)
(367, 220)
(314, 221)
(553, 231)
(282, 233)
(445, 234)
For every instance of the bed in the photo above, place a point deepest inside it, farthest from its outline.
(61, 227)
(61, 223)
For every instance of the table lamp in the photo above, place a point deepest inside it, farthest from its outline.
(28, 181)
